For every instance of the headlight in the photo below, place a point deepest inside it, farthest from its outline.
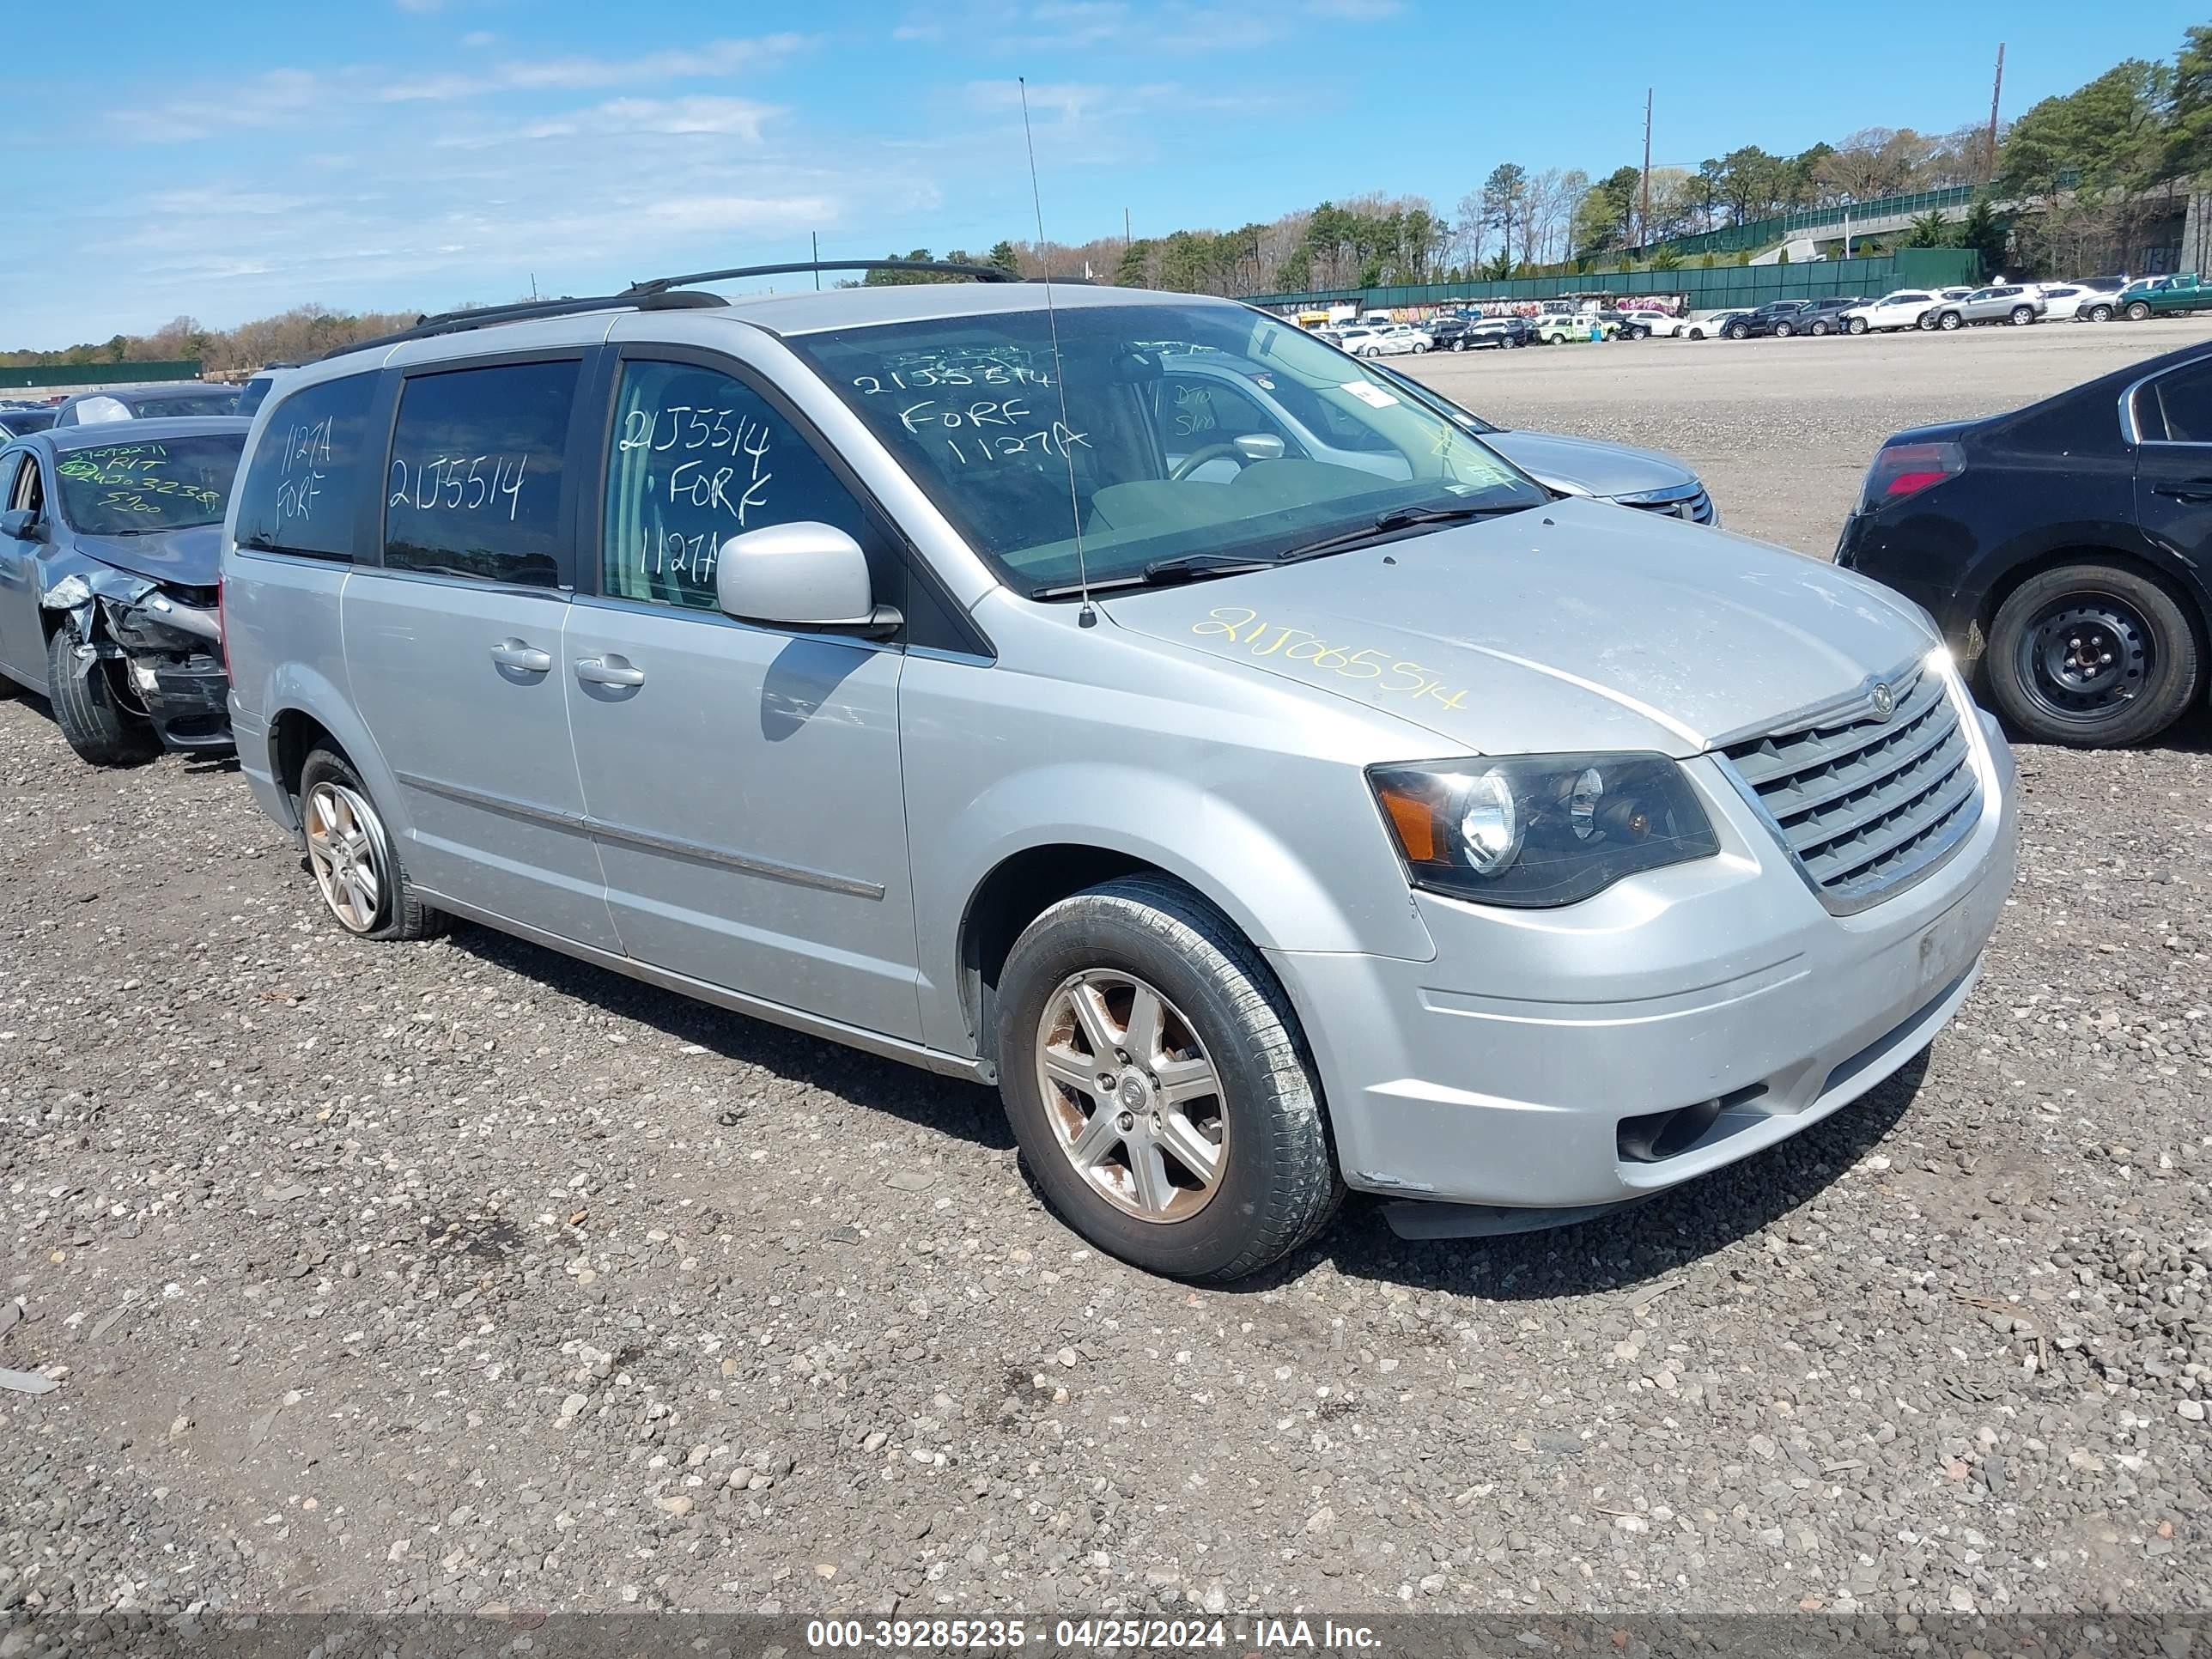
(1533, 831)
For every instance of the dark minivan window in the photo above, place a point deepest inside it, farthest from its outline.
(473, 486)
(303, 489)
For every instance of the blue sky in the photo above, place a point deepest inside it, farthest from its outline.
(228, 160)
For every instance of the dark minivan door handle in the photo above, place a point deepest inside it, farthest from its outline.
(2189, 489)
(514, 653)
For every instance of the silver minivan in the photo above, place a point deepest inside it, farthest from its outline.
(914, 666)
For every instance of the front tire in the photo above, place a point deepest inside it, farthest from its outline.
(354, 859)
(1857, 325)
(2092, 656)
(1783, 330)
(1153, 1074)
(2138, 312)
(1950, 322)
(89, 706)
(2101, 313)
(1737, 331)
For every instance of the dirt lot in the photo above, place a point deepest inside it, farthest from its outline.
(455, 1275)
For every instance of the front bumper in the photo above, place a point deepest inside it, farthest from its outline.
(1500, 1071)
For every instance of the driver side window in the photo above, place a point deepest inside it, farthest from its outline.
(26, 491)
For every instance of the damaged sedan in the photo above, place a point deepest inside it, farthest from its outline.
(107, 582)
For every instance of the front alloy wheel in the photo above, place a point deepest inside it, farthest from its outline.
(2138, 312)
(1132, 1100)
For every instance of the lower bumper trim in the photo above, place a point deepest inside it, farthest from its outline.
(1415, 1220)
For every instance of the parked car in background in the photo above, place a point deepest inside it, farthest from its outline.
(256, 391)
(1817, 317)
(108, 560)
(1396, 340)
(2069, 540)
(2162, 296)
(2062, 301)
(1766, 319)
(1502, 332)
(2099, 293)
(1899, 310)
(13, 422)
(1415, 831)
(166, 399)
(2016, 303)
(1648, 479)
(1709, 328)
(1567, 327)
(1664, 324)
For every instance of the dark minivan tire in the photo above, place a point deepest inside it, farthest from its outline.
(1221, 1016)
(88, 709)
(2086, 613)
(339, 824)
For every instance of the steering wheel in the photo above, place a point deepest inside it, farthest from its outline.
(1199, 457)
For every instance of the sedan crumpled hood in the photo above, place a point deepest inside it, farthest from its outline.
(182, 558)
(1586, 465)
(1572, 626)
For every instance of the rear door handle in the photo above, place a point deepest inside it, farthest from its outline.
(610, 669)
(2190, 489)
(515, 653)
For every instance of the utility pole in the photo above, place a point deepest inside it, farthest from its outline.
(1128, 240)
(1644, 214)
(1996, 91)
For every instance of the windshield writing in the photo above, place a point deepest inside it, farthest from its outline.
(124, 488)
(1154, 432)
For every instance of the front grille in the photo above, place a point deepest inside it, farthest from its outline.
(1697, 507)
(1867, 805)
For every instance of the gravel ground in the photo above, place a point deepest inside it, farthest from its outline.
(456, 1275)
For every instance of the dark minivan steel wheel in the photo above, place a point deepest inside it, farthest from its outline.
(1153, 1074)
(2092, 656)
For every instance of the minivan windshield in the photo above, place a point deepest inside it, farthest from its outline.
(127, 489)
(1190, 434)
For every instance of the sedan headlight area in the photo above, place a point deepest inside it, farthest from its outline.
(1533, 831)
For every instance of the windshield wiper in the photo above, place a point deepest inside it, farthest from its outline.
(1398, 518)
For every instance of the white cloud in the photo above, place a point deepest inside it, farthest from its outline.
(698, 214)
(1356, 8)
(716, 58)
(918, 31)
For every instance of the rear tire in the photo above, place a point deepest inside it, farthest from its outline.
(2092, 656)
(1070, 990)
(89, 708)
(354, 860)
(2021, 316)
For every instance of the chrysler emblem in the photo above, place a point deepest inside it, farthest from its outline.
(1884, 700)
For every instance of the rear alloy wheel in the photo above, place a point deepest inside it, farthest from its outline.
(2092, 656)
(2137, 310)
(1153, 1074)
(2021, 316)
(356, 866)
(1818, 328)
(94, 706)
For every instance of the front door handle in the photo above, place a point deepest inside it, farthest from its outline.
(2190, 489)
(514, 653)
(610, 669)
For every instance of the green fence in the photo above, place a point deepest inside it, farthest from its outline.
(1755, 233)
(1721, 287)
(48, 374)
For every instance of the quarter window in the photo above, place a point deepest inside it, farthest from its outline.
(2177, 407)
(303, 489)
(699, 458)
(473, 485)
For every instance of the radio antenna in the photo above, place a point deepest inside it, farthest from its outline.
(1085, 617)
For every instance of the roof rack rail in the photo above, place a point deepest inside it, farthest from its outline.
(458, 322)
(940, 267)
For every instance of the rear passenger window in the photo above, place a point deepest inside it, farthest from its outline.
(301, 493)
(473, 488)
(2179, 406)
(698, 459)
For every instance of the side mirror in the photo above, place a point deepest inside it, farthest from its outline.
(804, 574)
(19, 525)
(1259, 446)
